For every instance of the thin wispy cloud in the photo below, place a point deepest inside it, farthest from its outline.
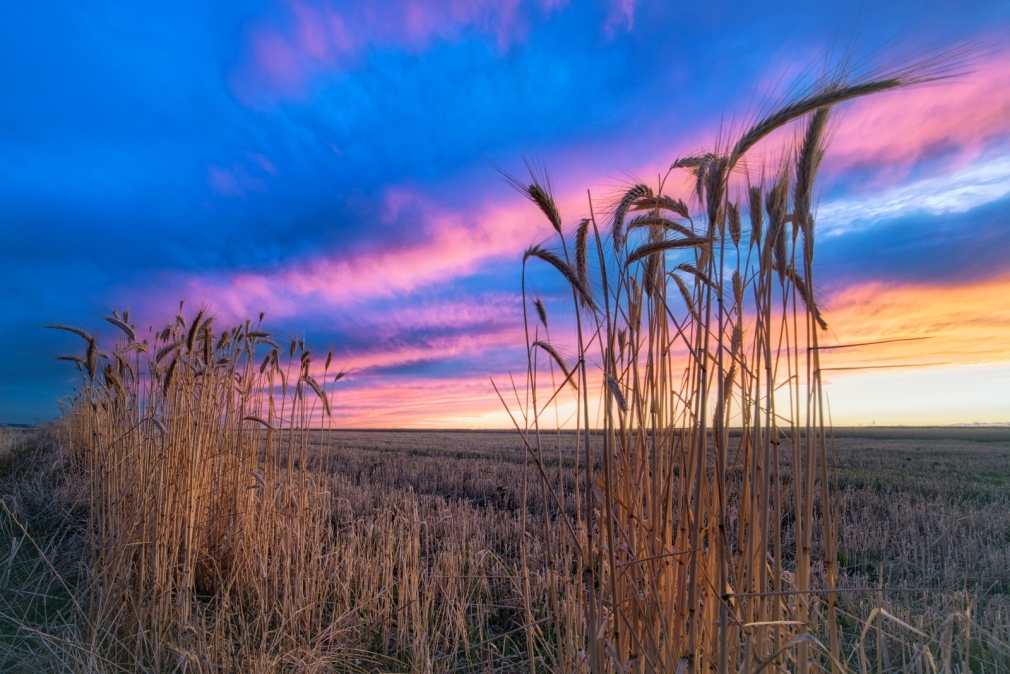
(980, 183)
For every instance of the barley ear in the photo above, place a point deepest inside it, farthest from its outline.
(685, 292)
(76, 360)
(319, 392)
(91, 359)
(113, 383)
(808, 162)
(776, 207)
(738, 288)
(615, 390)
(259, 421)
(659, 221)
(541, 311)
(806, 292)
(734, 224)
(636, 192)
(756, 215)
(191, 335)
(130, 334)
(815, 101)
(559, 360)
(539, 191)
(566, 270)
(76, 331)
(663, 246)
(662, 202)
(581, 252)
(165, 350)
(170, 375)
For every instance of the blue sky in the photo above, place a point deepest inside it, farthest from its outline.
(328, 163)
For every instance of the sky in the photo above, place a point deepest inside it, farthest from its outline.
(331, 164)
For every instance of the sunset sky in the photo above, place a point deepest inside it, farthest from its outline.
(331, 165)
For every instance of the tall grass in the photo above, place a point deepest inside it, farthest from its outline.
(693, 549)
(218, 536)
(204, 522)
(931, 512)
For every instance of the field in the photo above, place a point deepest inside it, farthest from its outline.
(430, 527)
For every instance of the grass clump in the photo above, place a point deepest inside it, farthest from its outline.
(208, 538)
(43, 515)
(208, 526)
(707, 538)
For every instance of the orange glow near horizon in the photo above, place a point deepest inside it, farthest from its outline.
(956, 371)
(960, 325)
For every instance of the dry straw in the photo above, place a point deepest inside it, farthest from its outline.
(682, 561)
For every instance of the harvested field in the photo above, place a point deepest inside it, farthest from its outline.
(924, 511)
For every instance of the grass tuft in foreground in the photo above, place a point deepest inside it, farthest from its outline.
(707, 539)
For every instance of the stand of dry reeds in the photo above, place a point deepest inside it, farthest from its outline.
(205, 523)
(692, 548)
(219, 534)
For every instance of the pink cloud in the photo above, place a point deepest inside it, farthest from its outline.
(412, 332)
(319, 38)
(621, 12)
(450, 347)
(453, 244)
(240, 178)
(964, 324)
(882, 131)
(276, 59)
(418, 403)
(886, 135)
(264, 163)
(896, 129)
(233, 182)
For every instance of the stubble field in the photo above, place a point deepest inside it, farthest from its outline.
(430, 526)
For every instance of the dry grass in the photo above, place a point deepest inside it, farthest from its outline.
(929, 511)
(931, 508)
(697, 548)
(210, 533)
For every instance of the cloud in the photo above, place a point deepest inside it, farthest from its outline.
(621, 12)
(206, 139)
(264, 163)
(919, 247)
(961, 324)
(962, 190)
(413, 332)
(447, 245)
(419, 403)
(234, 181)
(958, 117)
(317, 38)
(958, 326)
